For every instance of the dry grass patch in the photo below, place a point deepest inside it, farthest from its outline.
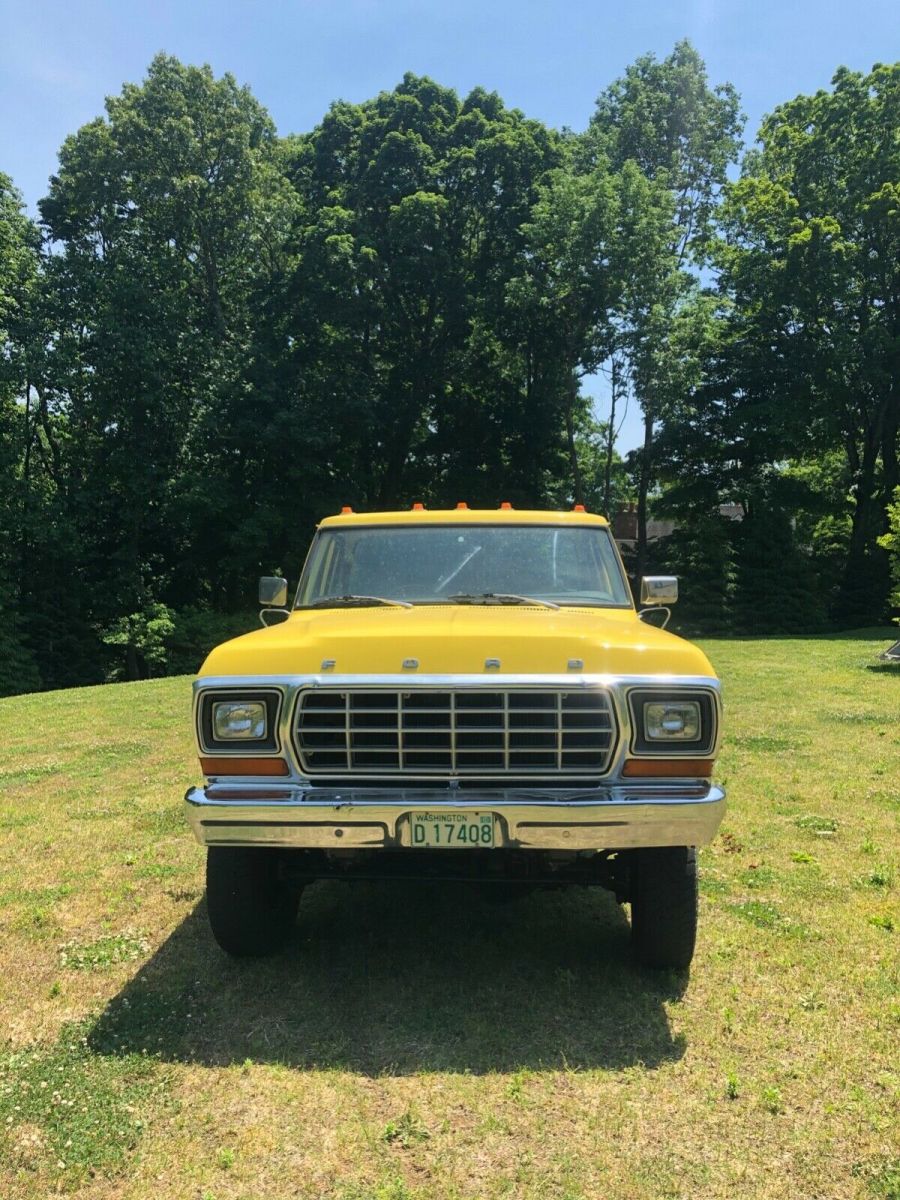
(419, 1043)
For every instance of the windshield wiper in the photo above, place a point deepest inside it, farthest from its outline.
(499, 598)
(357, 601)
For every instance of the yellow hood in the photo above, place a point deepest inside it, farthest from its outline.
(456, 640)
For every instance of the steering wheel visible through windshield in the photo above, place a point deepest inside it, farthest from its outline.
(444, 564)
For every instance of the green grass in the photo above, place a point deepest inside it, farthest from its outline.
(419, 1043)
(72, 1114)
(103, 952)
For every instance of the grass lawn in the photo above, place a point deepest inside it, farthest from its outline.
(417, 1042)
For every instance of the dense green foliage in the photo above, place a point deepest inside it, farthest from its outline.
(214, 335)
(891, 542)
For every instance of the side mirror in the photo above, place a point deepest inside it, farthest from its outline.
(659, 589)
(273, 591)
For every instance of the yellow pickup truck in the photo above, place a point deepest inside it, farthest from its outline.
(461, 694)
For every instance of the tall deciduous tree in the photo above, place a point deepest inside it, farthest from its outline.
(812, 262)
(563, 301)
(412, 225)
(681, 134)
(20, 443)
(166, 213)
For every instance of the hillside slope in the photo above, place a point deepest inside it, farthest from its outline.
(417, 1042)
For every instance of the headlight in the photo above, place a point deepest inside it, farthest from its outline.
(670, 721)
(679, 721)
(239, 720)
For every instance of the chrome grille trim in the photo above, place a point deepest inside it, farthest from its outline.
(439, 731)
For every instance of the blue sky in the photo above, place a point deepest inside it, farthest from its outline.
(60, 58)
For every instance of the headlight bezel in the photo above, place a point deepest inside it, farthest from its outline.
(209, 743)
(699, 747)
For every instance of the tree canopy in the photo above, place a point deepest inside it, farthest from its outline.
(214, 334)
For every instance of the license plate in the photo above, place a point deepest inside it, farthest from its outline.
(451, 830)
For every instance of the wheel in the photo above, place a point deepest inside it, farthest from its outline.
(251, 911)
(664, 906)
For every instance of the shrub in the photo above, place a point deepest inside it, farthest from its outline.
(143, 636)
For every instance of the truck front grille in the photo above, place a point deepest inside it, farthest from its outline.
(514, 731)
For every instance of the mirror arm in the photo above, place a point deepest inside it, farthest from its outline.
(663, 608)
(262, 615)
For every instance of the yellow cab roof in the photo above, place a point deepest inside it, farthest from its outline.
(463, 516)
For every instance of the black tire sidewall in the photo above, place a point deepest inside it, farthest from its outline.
(251, 909)
(664, 906)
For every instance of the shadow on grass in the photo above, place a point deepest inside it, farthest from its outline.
(400, 978)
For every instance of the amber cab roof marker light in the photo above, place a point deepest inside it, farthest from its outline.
(462, 504)
(418, 506)
(505, 504)
(346, 509)
(646, 768)
(243, 766)
(578, 508)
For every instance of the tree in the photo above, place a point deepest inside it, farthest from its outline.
(412, 224)
(811, 260)
(681, 134)
(19, 434)
(564, 298)
(166, 215)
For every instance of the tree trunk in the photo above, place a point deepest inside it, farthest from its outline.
(610, 443)
(644, 479)
(389, 493)
(211, 271)
(132, 667)
(25, 531)
(391, 487)
(577, 477)
(55, 452)
(865, 584)
(889, 445)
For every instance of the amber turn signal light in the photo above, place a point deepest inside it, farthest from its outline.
(244, 766)
(655, 768)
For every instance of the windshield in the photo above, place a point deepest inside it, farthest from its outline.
(453, 564)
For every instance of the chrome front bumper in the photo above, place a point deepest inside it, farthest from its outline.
(613, 818)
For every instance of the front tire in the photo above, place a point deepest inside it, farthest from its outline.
(251, 909)
(664, 906)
